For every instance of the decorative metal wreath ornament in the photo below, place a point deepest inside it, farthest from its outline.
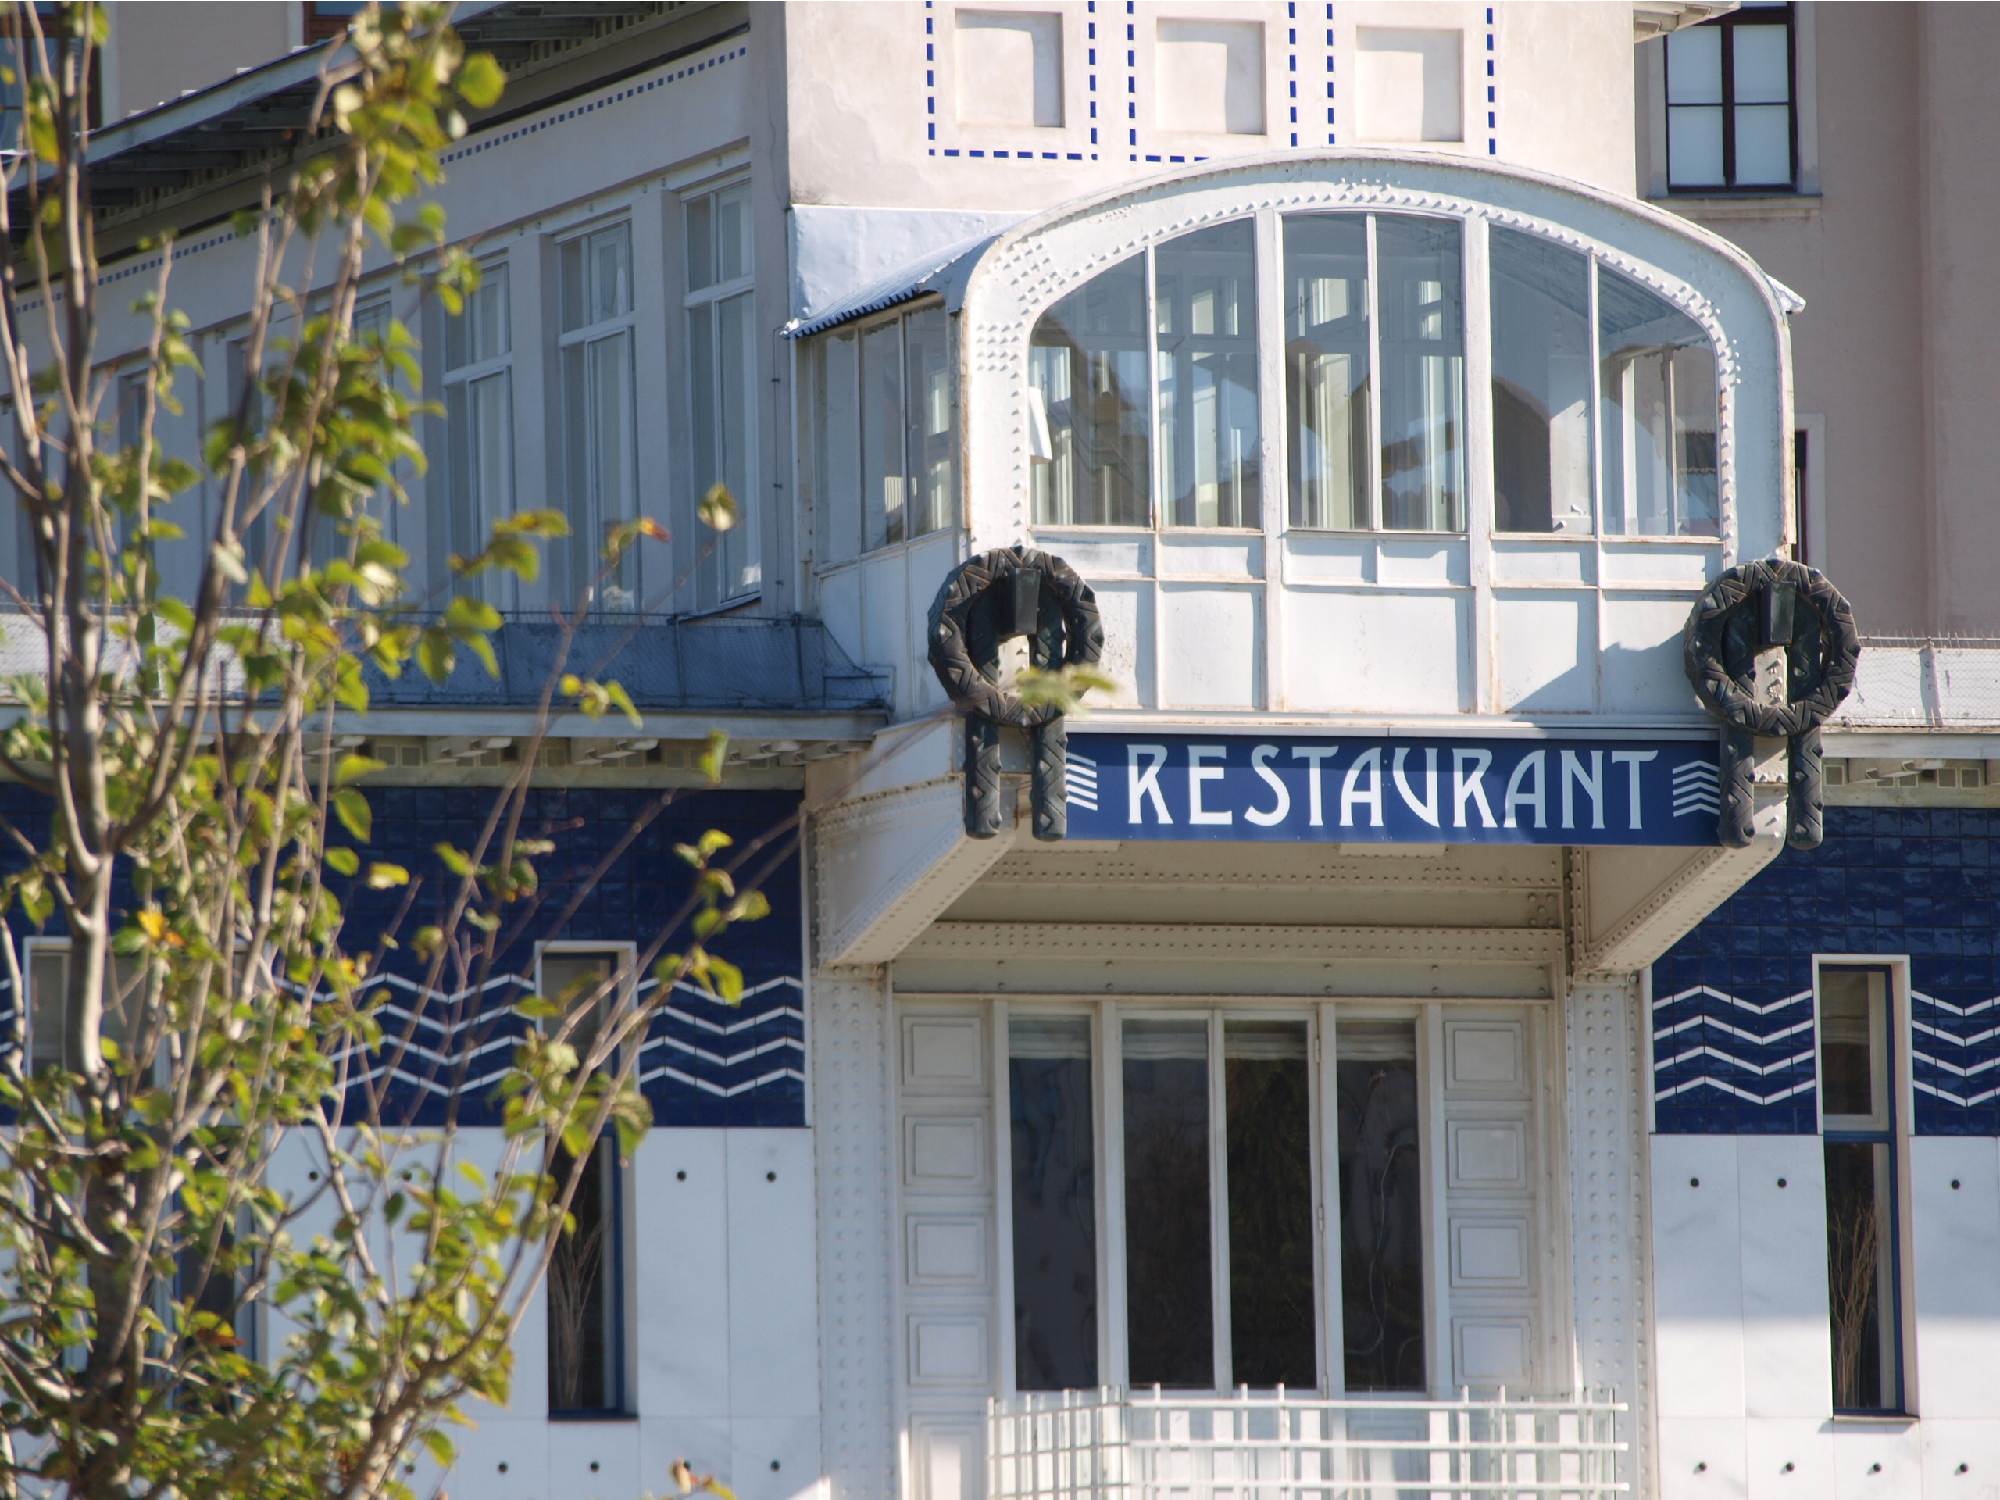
(1009, 592)
(1755, 607)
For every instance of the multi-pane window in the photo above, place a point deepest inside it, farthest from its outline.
(1541, 385)
(1143, 388)
(586, 1276)
(1205, 306)
(883, 432)
(722, 385)
(1374, 303)
(479, 415)
(1731, 109)
(1657, 416)
(1213, 1123)
(1089, 395)
(1328, 363)
(598, 414)
(1859, 1124)
(48, 961)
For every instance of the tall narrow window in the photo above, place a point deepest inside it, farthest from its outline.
(595, 273)
(929, 440)
(722, 385)
(1054, 1203)
(1327, 371)
(1267, 1094)
(1169, 1312)
(1859, 1125)
(1418, 268)
(1260, 1317)
(586, 1275)
(1731, 110)
(1381, 1206)
(479, 417)
(48, 987)
(1541, 385)
(1657, 415)
(1205, 315)
(1089, 387)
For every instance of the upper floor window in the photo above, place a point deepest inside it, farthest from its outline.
(479, 415)
(881, 432)
(722, 385)
(321, 19)
(594, 273)
(1145, 407)
(1732, 119)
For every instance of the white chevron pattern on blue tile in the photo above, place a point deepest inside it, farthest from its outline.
(1725, 1053)
(1963, 1060)
(424, 1049)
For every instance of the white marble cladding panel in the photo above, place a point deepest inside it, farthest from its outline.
(1787, 1457)
(1211, 646)
(1543, 560)
(1955, 1212)
(1639, 657)
(1128, 611)
(1350, 651)
(1787, 1347)
(1211, 554)
(1659, 564)
(1697, 1281)
(1704, 1458)
(1545, 645)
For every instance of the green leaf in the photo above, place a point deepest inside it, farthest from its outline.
(435, 656)
(712, 756)
(622, 700)
(717, 509)
(351, 807)
(352, 767)
(480, 81)
(342, 861)
(471, 614)
(384, 876)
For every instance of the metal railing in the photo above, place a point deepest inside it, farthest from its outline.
(1111, 1444)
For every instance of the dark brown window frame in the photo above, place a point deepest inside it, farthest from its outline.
(1728, 25)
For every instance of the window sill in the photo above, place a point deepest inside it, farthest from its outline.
(1774, 204)
(577, 1418)
(1875, 1419)
(886, 550)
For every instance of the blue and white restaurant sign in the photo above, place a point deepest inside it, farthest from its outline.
(1393, 789)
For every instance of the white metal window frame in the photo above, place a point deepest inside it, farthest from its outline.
(1479, 498)
(1902, 1130)
(810, 449)
(749, 505)
(466, 377)
(1323, 1018)
(624, 955)
(584, 569)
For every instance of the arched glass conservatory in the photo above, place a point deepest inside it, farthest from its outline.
(1305, 424)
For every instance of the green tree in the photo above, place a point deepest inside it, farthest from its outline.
(202, 819)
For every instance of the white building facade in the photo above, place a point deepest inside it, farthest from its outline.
(1396, 1081)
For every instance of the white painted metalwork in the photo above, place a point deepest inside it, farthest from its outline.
(1111, 1444)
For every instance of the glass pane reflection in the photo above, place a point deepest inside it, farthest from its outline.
(1169, 1304)
(1381, 1206)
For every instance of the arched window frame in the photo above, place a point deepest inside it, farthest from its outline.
(1476, 510)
